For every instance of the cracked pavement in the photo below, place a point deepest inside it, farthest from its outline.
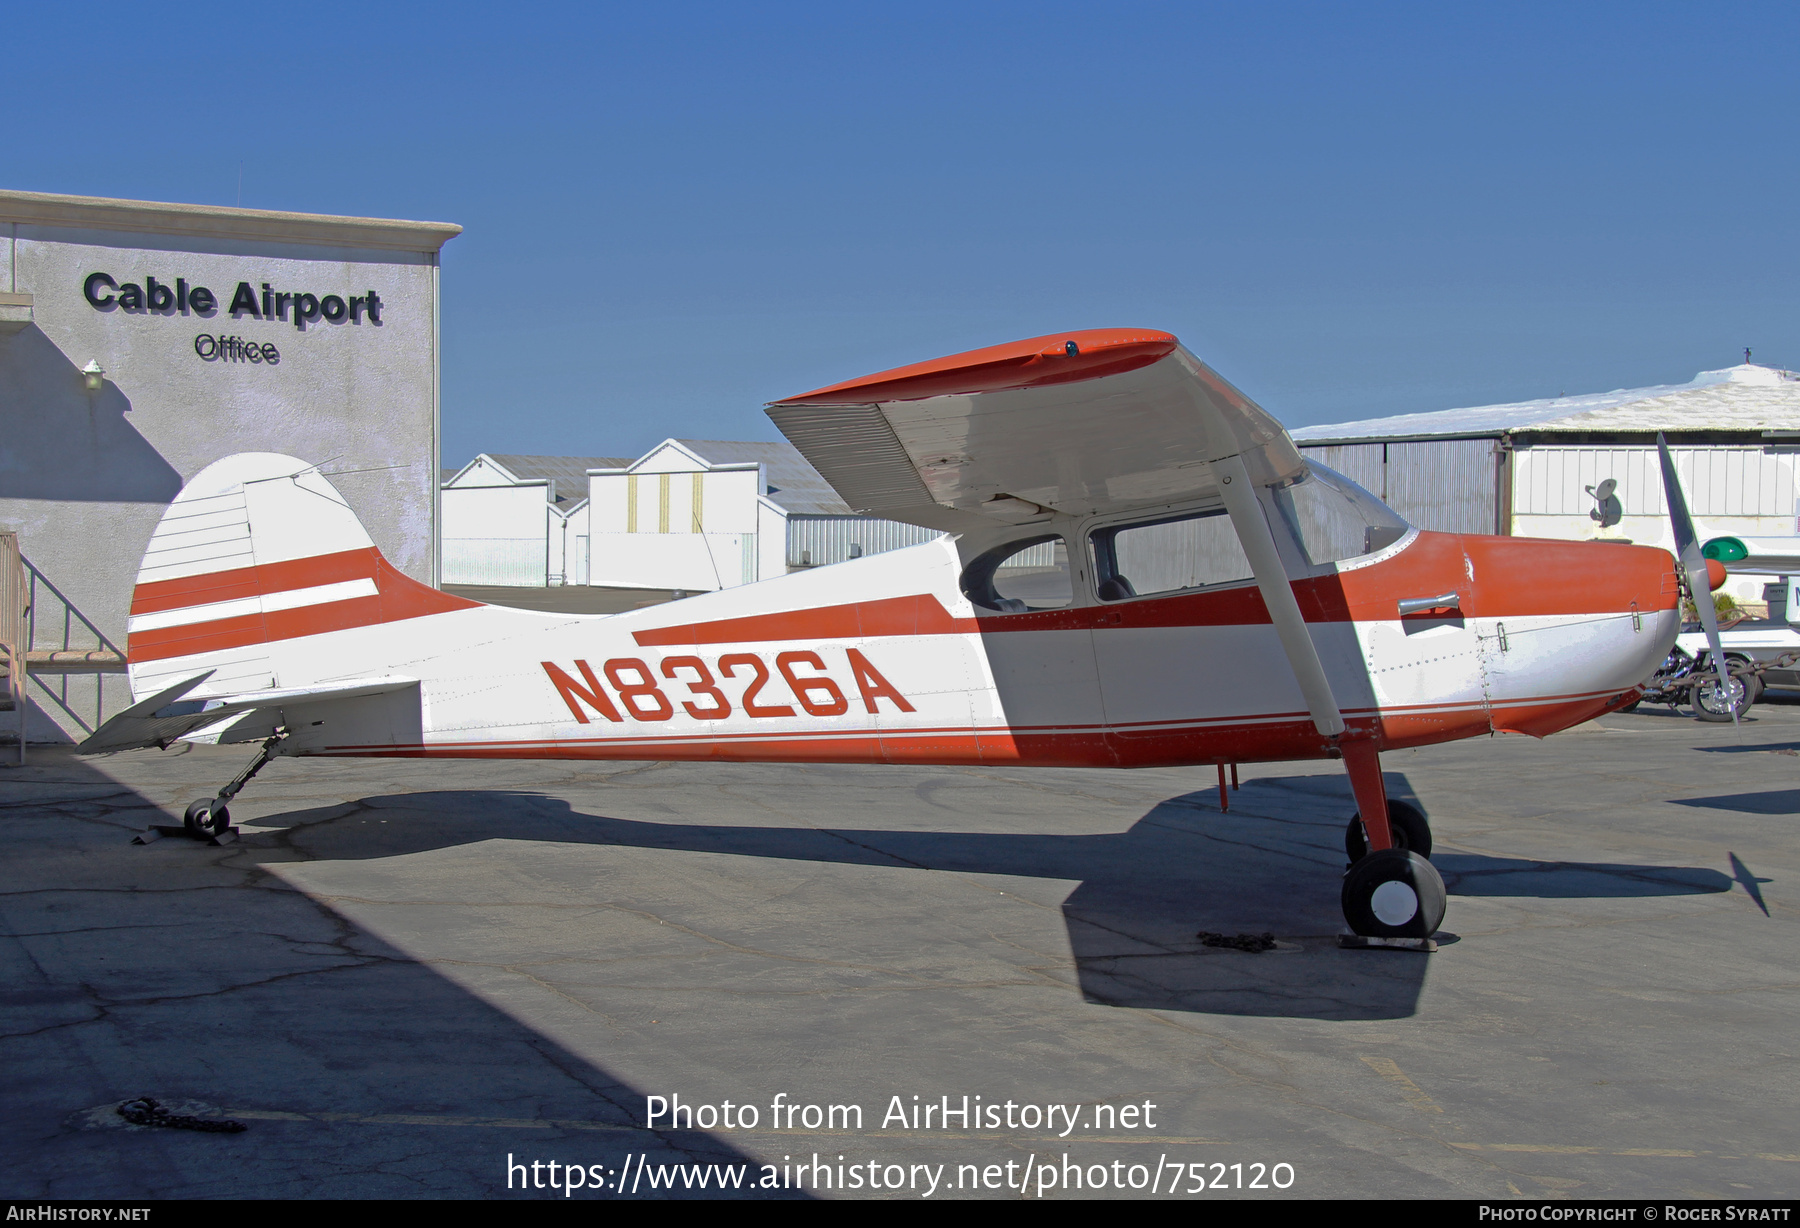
(404, 971)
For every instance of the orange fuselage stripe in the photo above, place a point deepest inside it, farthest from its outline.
(398, 596)
(240, 582)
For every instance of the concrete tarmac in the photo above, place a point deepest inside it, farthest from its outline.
(564, 599)
(405, 973)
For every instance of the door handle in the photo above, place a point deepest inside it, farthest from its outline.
(1418, 605)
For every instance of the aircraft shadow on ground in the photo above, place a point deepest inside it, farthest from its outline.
(1273, 864)
(1772, 801)
(128, 977)
(1740, 748)
(1474, 875)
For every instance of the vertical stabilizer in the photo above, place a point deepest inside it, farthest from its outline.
(257, 548)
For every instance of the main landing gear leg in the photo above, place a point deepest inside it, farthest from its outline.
(1391, 893)
(211, 816)
(1362, 762)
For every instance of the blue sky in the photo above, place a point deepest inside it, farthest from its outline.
(675, 213)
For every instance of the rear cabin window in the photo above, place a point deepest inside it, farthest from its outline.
(1167, 556)
(1021, 576)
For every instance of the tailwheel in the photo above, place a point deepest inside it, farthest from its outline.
(210, 817)
(1393, 893)
(1406, 823)
(207, 817)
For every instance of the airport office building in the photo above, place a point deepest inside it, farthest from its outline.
(140, 342)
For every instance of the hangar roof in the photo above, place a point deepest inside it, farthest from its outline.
(570, 472)
(1745, 399)
(793, 485)
(565, 476)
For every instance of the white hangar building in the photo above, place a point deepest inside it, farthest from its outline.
(691, 515)
(517, 520)
(1528, 469)
(139, 342)
(702, 514)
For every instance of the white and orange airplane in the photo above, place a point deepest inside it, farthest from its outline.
(1138, 569)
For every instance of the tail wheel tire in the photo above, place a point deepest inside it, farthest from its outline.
(207, 817)
(1393, 893)
(1406, 823)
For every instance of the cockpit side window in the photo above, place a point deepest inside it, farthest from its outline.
(1021, 576)
(1334, 519)
(1166, 556)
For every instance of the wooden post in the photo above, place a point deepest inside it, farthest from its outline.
(12, 631)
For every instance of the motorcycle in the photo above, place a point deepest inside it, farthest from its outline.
(1688, 680)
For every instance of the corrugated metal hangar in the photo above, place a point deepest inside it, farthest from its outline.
(1538, 468)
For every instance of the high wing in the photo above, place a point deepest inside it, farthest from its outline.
(1075, 423)
(165, 717)
(1098, 420)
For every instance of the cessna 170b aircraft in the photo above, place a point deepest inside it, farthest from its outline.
(1138, 569)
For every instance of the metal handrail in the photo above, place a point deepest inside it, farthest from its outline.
(14, 603)
(15, 690)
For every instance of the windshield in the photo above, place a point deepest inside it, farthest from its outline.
(1336, 519)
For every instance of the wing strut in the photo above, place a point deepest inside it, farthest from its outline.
(1277, 594)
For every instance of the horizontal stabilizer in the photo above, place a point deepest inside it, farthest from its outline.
(165, 717)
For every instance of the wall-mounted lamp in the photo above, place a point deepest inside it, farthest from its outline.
(93, 375)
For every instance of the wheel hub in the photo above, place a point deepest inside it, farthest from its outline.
(1394, 903)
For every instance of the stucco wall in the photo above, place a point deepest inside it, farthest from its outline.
(84, 476)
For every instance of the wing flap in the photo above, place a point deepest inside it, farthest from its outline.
(857, 452)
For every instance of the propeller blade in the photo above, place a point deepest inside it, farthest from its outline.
(1693, 567)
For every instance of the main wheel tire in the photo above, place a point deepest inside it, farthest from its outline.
(207, 818)
(1710, 703)
(1393, 893)
(1406, 822)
